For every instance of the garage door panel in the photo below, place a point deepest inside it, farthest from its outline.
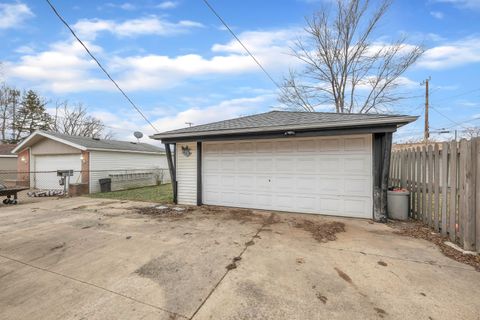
(263, 200)
(330, 185)
(330, 164)
(356, 186)
(227, 164)
(329, 175)
(306, 184)
(306, 164)
(264, 165)
(357, 165)
(228, 181)
(330, 145)
(245, 181)
(264, 147)
(284, 146)
(245, 164)
(356, 144)
(307, 146)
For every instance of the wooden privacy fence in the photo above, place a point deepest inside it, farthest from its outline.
(444, 184)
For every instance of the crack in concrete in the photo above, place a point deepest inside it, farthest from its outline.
(95, 286)
(246, 246)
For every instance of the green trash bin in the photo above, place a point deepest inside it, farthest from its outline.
(398, 204)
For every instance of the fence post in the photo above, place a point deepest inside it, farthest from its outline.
(419, 180)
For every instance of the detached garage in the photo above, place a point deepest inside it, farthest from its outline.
(323, 163)
(42, 153)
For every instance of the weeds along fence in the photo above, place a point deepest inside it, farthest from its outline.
(41, 184)
(444, 184)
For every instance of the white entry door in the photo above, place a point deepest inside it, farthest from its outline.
(47, 165)
(324, 175)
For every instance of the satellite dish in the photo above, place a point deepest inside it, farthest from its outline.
(138, 134)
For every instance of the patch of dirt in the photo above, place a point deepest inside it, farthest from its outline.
(322, 231)
(163, 212)
(344, 276)
(231, 266)
(417, 230)
(322, 298)
(381, 313)
(382, 263)
(60, 246)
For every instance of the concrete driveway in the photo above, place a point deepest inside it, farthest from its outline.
(83, 258)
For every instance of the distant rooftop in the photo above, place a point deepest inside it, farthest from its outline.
(6, 149)
(89, 143)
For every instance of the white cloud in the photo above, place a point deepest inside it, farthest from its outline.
(151, 25)
(12, 15)
(458, 53)
(167, 5)
(437, 14)
(64, 67)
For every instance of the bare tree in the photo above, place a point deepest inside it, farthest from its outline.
(472, 132)
(74, 120)
(344, 66)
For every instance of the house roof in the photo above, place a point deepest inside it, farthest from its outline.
(288, 120)
(6, 150)
(87, 143)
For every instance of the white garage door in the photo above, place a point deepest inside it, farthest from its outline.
(313, 175)
(46, 167)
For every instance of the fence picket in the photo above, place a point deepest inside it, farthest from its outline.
(461, 187)
(453, 191)
(430, 186)
(468, 215)
(444, 187)
(424, 184)
(436, 187)
(419, 179)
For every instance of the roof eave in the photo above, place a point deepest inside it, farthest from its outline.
(398, 121)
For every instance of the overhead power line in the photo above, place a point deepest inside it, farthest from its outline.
(100, 65)
(241, 43)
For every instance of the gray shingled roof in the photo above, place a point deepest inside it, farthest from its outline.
(106, 144)
(288, 119)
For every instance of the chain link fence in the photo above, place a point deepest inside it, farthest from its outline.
(34, 186)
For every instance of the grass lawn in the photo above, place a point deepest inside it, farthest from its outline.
(162, 193)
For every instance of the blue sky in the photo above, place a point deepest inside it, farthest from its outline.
(179, 65)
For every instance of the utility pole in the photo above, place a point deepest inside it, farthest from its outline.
(426, 131)
(189, 123)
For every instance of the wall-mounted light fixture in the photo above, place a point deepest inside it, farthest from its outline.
(82, 158)
(23, 159)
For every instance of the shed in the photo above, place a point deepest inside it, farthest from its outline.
(42, 153)
(310, 162)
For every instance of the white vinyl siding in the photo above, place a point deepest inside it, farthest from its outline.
(187, 174)
(103, 163)
(325, 175)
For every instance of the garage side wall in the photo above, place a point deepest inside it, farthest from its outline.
(104, 163)
(187, 173)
